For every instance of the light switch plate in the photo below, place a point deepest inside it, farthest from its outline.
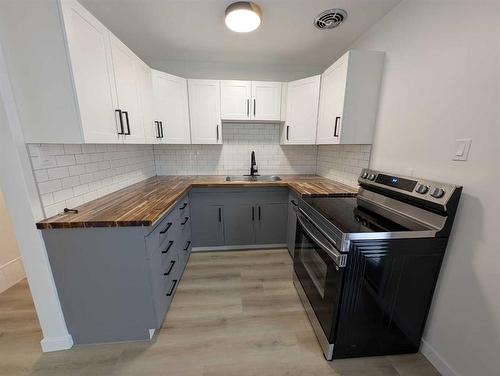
(462, 147)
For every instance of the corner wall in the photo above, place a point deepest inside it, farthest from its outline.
(442, 82)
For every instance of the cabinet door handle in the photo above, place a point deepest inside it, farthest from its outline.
(157, 126)
(161, 128)
(259, 213)
(185, 220)
(220, 214)
(254, 106)
(168, 247)
(217, 132)
(174, 282)
(183, 206)
(121, 121)
(172, 263)
(248, 107)
(287, 132)
(128, 123)
(335, 131)
(187, 245)
(169, 224)
(253, 213)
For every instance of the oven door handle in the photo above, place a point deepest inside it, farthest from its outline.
(339, 258)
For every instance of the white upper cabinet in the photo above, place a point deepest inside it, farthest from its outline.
(91, 64)
(127, 76)
(171, 107)
(204, 111)
(250, 100)
(266, 100)
(302, 101)
(235, 100)
(349, 98)
(146, 101)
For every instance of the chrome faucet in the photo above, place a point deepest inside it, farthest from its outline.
(253, 166)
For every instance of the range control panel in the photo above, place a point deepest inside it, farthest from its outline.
(424, 189)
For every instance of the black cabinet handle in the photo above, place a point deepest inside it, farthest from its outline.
(217, 132)
(128, 123)
(220, 214)
(187, 245)
(248, 107)
(174, 282)
(172, 263)
(185, 220)
(253, 213)
(294, 203)
(259, 213)
(168, 247)
(287, 132)
(337, 119)
(169, 224)
(254, 106)
(183, 206)
(121, 121)
(161, 128)
(158, 134)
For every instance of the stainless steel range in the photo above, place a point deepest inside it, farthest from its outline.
(366, 267)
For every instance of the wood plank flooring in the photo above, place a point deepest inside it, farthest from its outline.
(234, 313)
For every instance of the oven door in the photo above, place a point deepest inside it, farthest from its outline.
(319, 267)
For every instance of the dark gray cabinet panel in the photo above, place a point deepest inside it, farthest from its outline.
(207, 224)
(291, 223)
(238, 223)
(270, 224)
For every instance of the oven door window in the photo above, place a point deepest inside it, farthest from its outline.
(315, 267)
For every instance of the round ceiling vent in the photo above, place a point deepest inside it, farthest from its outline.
(330, 19)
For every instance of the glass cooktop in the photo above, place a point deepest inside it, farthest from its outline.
(348, 217)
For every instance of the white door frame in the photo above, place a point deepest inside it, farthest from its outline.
(24, 206)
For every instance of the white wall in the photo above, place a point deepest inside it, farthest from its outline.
(441, 83)
(11, 267)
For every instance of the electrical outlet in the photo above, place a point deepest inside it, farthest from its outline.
(462, 147)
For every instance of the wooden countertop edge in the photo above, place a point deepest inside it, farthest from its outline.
(301, 191)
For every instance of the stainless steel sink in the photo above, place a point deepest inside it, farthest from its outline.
(253, 178)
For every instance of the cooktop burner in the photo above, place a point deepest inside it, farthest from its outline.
(348, 217)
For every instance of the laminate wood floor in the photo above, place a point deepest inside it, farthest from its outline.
(234, 313)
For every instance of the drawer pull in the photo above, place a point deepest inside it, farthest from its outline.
(168, 247)
(187, 245)
(183, 206)
(185, 220)
(169, 224)
(172, 263)
(174, 282)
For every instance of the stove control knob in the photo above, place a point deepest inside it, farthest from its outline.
(422, 189)
(365, 175)
(371, 177)
(437, 193)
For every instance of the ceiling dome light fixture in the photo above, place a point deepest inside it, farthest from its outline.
(243, 16)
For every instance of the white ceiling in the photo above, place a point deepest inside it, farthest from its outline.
(193, 31)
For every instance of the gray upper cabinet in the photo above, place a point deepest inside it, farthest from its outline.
(270, 224)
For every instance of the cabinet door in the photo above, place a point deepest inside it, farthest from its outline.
(266, 100)
(239, 221)
(333, 86)
(302, 111)
(204, 111)
(271, 221)
(235, 99)
(146, 104)
(171, 106)
(88, 44)
(127, 91)
(207, 224)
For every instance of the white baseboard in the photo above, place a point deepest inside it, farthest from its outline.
(11, 273)
(57, 343)
(437, 360)
(237, 247)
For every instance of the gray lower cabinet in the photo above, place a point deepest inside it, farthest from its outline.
(292, 222)
(239, 216)
(116, 284)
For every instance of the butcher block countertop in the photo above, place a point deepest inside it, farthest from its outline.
(144, 203)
